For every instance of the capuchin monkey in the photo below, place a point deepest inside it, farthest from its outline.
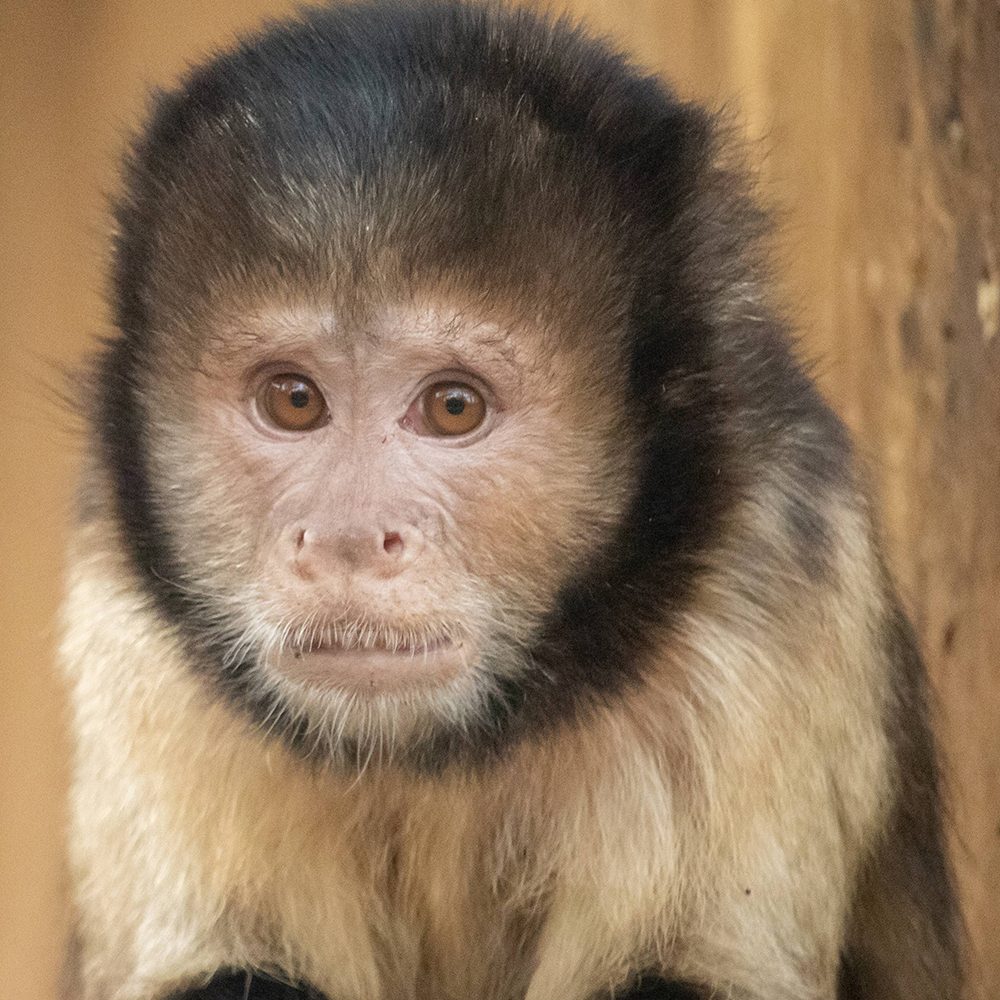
(472, 597)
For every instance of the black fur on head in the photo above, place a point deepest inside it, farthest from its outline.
(531, 130)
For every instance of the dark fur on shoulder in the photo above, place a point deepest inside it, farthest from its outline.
(906, 939)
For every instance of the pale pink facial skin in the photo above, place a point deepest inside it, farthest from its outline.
(370, 556)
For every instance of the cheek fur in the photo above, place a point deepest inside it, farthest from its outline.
(529, 519)
(506, 523)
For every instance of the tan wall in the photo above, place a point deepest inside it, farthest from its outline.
(880, 124)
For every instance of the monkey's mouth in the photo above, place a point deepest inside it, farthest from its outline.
(400, 647)
(374, 664)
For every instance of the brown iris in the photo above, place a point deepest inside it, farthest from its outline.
(292, 402)
(453, 408)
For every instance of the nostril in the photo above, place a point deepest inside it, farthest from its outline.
(300, 539)
(392, 543)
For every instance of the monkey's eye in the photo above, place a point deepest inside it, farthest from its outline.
(292, 402)
(452, 408)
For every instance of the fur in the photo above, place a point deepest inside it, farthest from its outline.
(708, 771)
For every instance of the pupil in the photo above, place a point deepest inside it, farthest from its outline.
(299, 398)
(454, 405)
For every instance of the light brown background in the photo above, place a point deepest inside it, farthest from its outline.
(876, 125)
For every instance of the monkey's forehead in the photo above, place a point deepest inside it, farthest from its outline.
(396, 142)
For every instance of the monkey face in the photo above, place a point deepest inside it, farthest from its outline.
(380, 510)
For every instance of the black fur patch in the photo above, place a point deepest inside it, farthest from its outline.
(231, 985)
(905, 939)
(330, 100)
(656, 988)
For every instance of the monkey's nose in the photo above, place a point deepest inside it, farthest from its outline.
(356, 549)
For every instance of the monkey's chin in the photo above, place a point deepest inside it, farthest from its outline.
(376, 670)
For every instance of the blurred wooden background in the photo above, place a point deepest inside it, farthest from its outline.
(876, 127)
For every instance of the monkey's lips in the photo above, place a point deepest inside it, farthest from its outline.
(374, 669)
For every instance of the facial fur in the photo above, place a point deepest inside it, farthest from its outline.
(279, 537)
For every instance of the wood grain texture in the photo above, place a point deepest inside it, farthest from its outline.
(876, 131)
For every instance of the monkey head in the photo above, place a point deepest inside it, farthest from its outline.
(432, 349)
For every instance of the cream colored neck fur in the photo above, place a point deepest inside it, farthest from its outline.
(651, 832)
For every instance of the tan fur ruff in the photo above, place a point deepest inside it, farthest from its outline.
(706, 822)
